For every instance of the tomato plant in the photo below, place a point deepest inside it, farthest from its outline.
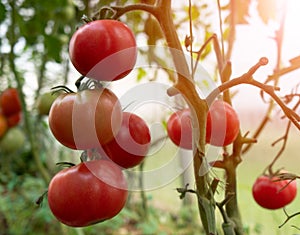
(103, 50)
(272, 193)
(222, 124)
(87, 193)
(10, 101)
(179, 128)
(85, 119)
(131, 144)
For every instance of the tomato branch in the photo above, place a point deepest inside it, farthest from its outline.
(289, 217)
(284, 139)
(295, 64)
(247, 78)
(186, 87)
(118, 11)
(275, 78)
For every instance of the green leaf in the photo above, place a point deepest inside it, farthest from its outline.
(141, 74)
(2, 12)
(53, 46)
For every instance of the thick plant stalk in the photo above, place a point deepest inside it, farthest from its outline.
(232, 208)
(198, 108)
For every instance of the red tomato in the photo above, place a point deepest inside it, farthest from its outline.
(132, 142)
(86, 119)
(222, 124)
(87, 193)
(179, 128)
(272, 194)
(10, 102)
(104, 50)
(14, 119)
(3, 125)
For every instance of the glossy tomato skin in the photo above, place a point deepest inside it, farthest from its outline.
(131, 144)
(87, 119)
(104, 50)
(10, 102)
(179, 128)
(222, 124)
(272, 195)
(87, 193)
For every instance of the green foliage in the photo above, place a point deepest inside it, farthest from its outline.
(2, 12)
(24, 217)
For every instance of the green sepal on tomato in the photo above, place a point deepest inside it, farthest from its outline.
(86, 119)
(88, 193)
(103, 50)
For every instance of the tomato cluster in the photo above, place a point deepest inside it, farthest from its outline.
(10, 110)
(222, 126)
(93, 120)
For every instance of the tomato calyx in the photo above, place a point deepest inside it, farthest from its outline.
(183, 191)
(86, 19)
(78, 81)
(40, 199)
(65, 164)
(61, 88)
(90, 155)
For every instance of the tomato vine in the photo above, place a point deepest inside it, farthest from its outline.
(185, 86)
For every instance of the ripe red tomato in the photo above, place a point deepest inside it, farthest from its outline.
(87, 193)
(86, 119)
(132, 142)
(222, 124)
(3, 125)
(104, 50)
(272, 194)
(179, 128)
(14, 119)
(10, 102)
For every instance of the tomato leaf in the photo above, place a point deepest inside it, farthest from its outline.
(141, 74)
(266, 10)
(2, 12)
(53, 46)
(242, 11)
